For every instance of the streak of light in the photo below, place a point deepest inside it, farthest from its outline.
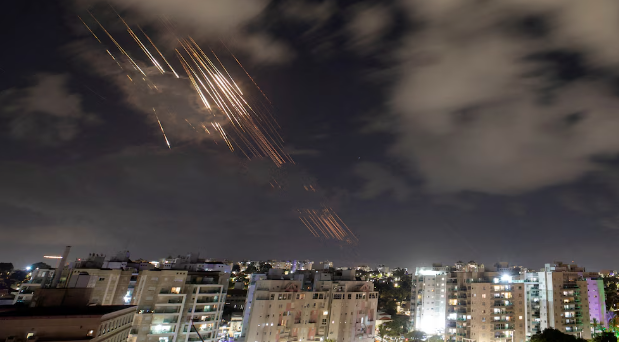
(327, 224)
(250, 129)
(52, 256)
(248, 75)
(162, 131)
(160, 54)
(120, 48)
(88, 27)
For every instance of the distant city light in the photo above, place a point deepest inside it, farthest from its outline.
(28, 268)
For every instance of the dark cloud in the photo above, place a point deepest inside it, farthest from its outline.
(379, 181)
(46, 112)
(368, 24)
(472, 117)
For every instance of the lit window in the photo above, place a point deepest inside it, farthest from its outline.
(519, 317)
(176, 290)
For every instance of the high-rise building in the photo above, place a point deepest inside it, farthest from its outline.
(473, 302)
(337, 307)
(178, 305)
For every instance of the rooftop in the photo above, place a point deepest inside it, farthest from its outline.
(100, 310)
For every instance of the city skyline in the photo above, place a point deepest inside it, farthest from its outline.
(419, 133)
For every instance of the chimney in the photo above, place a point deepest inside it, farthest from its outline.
(58, 272)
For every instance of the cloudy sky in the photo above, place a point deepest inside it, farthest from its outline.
(437, 130)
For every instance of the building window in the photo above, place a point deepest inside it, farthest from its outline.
(101, 279)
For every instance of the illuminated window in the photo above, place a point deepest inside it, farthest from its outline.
(483, 295)
(176, 290)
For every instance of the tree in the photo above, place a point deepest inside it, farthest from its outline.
(251, 269)
(417, 335)
(605, 337)
(6, 268)
(613, 322)
(596, 325)
(399, 273)
(236, 268)
(553, 335)
(40, 265)
(611, 288)
(265, 267)
(383, 330)
(435, 338)
(390, 307)
(18, 276)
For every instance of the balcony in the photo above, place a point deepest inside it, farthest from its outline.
(169, 331)
(203, 290)
(171, 310)
(570, 286)
(206, 319)
(504, 327)
(502, 304)
(171, 302)
(202, 310)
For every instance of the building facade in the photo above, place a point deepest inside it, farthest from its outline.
(279, 310)
(178, 305)
(471, 302)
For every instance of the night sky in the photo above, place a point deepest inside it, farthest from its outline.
(437, 130)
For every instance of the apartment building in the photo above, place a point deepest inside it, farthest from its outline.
(429, 299)
(565, 296)
(178, 305)
(471, 302)
(193, 262)
(109, 287)
(38, 278)
(340, 309)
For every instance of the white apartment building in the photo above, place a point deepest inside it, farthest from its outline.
(430, 299)
(278, 310)
(178, 305)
